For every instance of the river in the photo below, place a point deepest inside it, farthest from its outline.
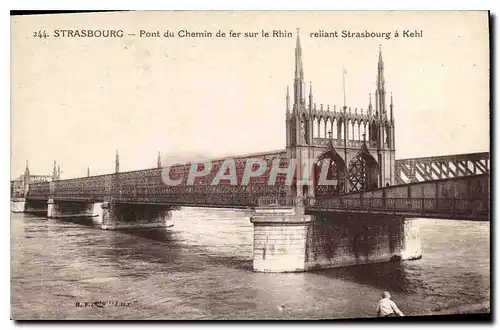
(202, 269)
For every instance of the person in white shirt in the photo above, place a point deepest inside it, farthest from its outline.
(387, 307)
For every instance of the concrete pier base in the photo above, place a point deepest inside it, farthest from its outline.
(124, 216)
(287, 240)
(280, 240)
(72, 209)
(17, 205)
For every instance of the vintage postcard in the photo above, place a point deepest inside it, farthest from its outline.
(247, 165)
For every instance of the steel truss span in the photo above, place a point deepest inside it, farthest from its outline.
(441, 167)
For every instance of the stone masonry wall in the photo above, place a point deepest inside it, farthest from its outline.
(346, 239)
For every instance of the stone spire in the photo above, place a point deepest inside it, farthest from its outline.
(392, 107)
(158, 161)
(310, 96)
(380, 84)
(26, 171)
(88, 171)
(54, 172)
(287, 99)
(299, 76)
(117, 162)
(26, 179)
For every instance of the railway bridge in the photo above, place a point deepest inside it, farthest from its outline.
(335, 196)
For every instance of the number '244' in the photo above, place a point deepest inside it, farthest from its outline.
(40, 34)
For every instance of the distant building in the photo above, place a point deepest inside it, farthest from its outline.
(18, 185)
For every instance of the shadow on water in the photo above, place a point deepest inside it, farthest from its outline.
(163, 235)
(82, 221)
(391, 276)
(159, 246)
(40, 225)
(172, 247)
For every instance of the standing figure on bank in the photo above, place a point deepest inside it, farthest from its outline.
(387, 307)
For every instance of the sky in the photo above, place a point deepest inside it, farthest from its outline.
(78, 100)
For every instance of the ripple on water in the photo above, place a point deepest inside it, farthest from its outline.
(202, 269)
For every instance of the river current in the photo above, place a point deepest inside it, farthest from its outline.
(201, 268)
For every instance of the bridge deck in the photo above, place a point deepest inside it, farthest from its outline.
(463, 196)
(457, 198)
(444, 208)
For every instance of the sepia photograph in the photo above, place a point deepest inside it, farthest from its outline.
(250, 165)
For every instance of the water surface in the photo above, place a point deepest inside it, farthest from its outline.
(202, 269)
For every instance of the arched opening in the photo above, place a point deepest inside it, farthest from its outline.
(341, 129)
(334, 128)
(373, 131)
(355, 130)
(363, 173)
(334, 169)
(321, 127)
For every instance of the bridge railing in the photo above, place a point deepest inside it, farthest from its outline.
(190, 199)
(401, 205)
(276, 201)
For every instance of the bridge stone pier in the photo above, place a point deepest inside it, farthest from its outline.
(288, 239)
(280, 238)
(17, 205)
(71, 209)
(111, 215)
(352, 239)
(123, 216)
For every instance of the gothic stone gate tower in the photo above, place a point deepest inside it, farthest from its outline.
(355, 149)
(358, 145)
